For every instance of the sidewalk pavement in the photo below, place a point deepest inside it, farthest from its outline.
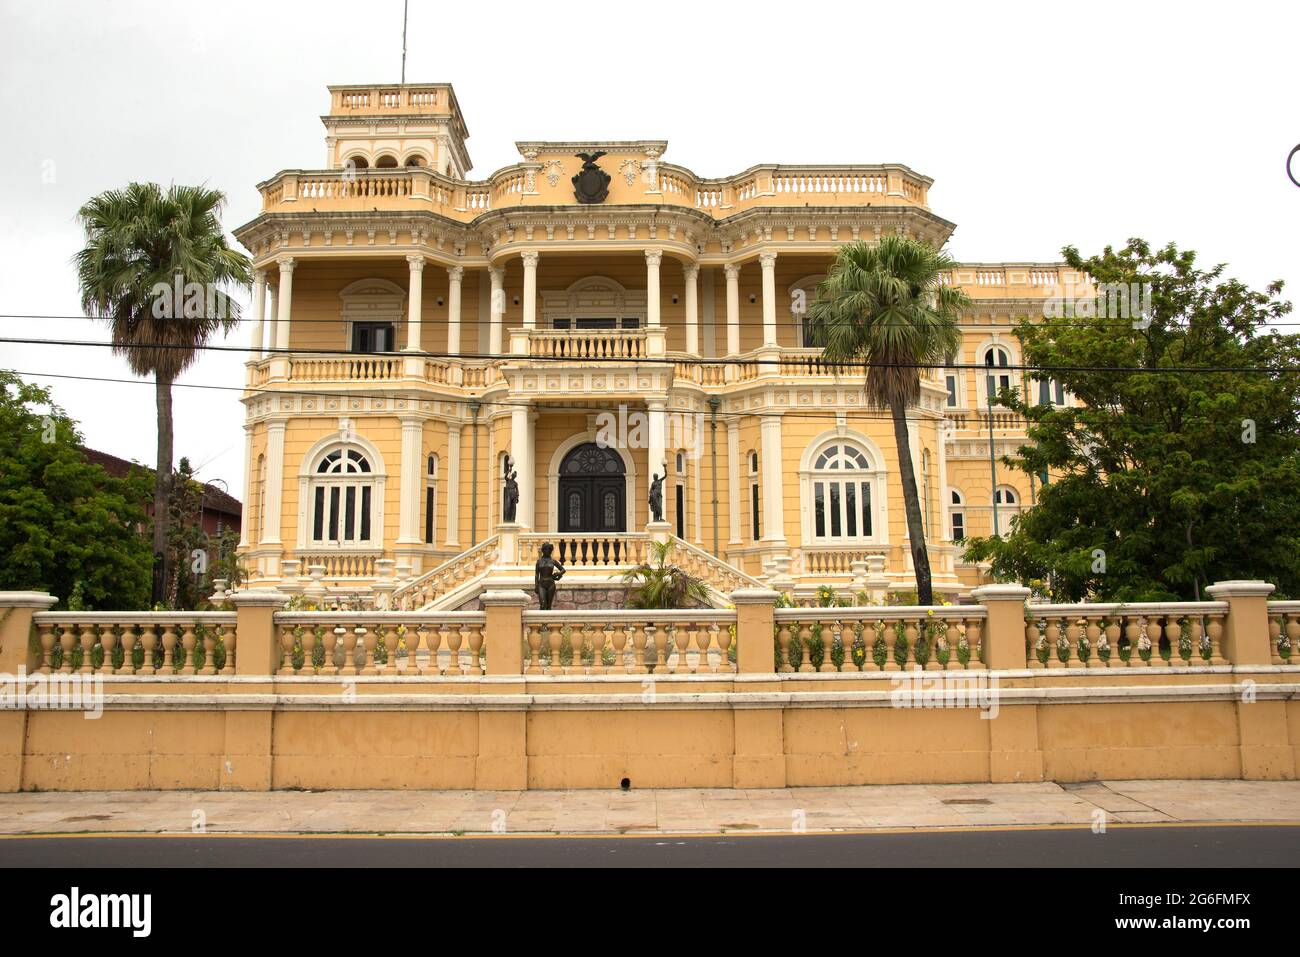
(701, 811)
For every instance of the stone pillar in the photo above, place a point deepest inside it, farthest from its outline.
(454, 276)
(733, 480)
(1004, 631)
(504, 633)
(270, 336)
(773, 490)
(1245, 631)
(496, 309)
(530, 290)
(652, 259)
(412, 480)
(733, 309)
(259, 314)
(521, 450)
(257, 647)
(691, 273)
(285, 302)
(755, 618)
(768, 262)
(451, 482)
(415, 304)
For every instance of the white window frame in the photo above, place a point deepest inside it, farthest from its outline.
(956, 514)
(309, 479)
(874, 475)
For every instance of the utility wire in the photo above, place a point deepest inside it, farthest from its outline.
(669, 360)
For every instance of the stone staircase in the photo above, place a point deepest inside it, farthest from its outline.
(594, 566)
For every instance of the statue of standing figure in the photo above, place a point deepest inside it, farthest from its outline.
(657, 495)
(510, 504)
(546, 573)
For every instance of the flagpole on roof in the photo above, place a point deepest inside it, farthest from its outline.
(404, 7)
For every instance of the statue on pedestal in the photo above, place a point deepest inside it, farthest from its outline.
(510, 502)
(657, 496)
(546, 573)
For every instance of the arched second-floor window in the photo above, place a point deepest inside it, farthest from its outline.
(343, 499)
(997, 362)
(1008, 503)
(754, 497)
(842, 486)
(431, 499)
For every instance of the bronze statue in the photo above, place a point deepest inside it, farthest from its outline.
(657, 495)
(510, 506)
(546, 573)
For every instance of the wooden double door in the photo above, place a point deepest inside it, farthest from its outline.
(592, 491)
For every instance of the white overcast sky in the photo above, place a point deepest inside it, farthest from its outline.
(1041, 125)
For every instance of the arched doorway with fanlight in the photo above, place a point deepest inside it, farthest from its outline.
(592, 490)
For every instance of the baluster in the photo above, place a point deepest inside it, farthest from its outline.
(1174, 632)
(639, 639)
(475, 642)
(129, 641)
(890, 634)
(47, 640)
(169, 649)
(1274, 635)
(391, 641)
(555, 640)
(1215, 631)
(703, 641)
(660, 646)
(108, 640)
(683, 637)
(1031, 639)
(229, 639)
(286, 650)
(411, 636)
(454, 639)
(87, 648)
(187, 643)
(910, 633)
(534, 650)
(209, 650)
(1293, 637)
(606, 634)
(577, 638)
(1052, 634)
(148, 641)
(350, 638)
(1154, 631)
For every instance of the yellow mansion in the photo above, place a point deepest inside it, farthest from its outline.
(589, 318)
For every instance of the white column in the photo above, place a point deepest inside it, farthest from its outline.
(412, 466)
(272, 313)
(530, 290)
(454, 276)
(496, 308)
(768, 262)
(451, 482)
(285, 304)
(259, 313)
(733, 480)
(652, 260)
(415, 304)
(691, 272)
(733, 309)
(772, 495)
(274, 491)
(522, 453)
(655, 454)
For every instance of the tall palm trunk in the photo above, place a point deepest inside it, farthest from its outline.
(162, 489)
(912, 505)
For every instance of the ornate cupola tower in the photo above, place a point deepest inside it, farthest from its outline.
(378, 127)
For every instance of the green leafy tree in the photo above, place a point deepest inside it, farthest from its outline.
(66, 526)
(660, 584)
(1181, 473)
(886, 305)
(142, 246)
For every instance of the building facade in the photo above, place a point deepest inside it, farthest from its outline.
(589, 318)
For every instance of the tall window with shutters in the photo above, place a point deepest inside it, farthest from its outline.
(843, 490)
(342, 493)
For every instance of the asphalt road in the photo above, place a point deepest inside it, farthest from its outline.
(1137, 846)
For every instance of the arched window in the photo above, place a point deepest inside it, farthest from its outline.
(342, 493)
(998, 377)
(386, 161)
(957, 516)
(356, 162)
(1008, 503)
(415, 159)
(842, 481)
(431, 499)
(679, 495)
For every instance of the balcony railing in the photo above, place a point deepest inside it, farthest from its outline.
(588, 344)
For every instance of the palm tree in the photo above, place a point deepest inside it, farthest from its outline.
(887, 306)
(658, 584)
(142, 246)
